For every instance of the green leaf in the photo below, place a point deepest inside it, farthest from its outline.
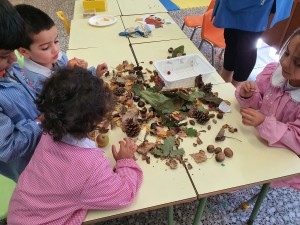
(159, 101)
(177, 50)
(212, 99)
(137, 88)
(192, 96)
(201, 109)
(167, 146)
(157, 152)
(166, 122)
(191, 132)
(177, 152)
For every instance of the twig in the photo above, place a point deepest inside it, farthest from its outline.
(233, 138)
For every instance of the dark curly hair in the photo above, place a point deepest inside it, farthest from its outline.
(73, 102)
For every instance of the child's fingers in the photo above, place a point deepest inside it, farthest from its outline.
(114, 151)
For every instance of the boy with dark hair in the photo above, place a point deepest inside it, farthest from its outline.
(19, 131)
(41, 48)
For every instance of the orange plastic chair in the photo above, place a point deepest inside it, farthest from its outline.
(195, 21)
(212, 35)
(65, 21)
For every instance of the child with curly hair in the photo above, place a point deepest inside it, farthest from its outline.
(68, 174)
(271, 104)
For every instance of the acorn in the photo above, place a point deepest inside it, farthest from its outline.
(141, 104)
(220, 115)
(228, 152)
(218, 150)
(220, 157)
(210, 148)
(136, 98)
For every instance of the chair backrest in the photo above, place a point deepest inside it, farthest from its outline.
(65, 21)
(7, 188)
(211, 33)
(211, 5)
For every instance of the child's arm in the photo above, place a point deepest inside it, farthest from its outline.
(108, 189)
(278, 134)
(250, 94)
(19, 139)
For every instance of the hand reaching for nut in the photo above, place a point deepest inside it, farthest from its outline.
(247, 89)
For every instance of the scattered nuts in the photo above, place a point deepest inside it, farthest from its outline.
(208, 127)
(192, 122)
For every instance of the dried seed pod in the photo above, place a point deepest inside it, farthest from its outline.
(211, 115)
(214, 121)
(218, 150)
(208, 127)
(228, 152)
(220, 136)
(220, 157)
(195, 144)
(189, 166)
(210, 148)
(170, 50)
(199, 141)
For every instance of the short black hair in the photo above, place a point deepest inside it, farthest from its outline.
(73, 102)
(11, 26)
(35, 21)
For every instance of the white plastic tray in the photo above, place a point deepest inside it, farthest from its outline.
(181, 71)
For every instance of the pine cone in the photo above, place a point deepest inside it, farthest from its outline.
(119, 91)
(199, 82)
(132, 128)
(201, 117)
(207, 88)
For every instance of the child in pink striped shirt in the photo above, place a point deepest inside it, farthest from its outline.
(68, 174)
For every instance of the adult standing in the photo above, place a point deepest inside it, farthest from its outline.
(243, 23)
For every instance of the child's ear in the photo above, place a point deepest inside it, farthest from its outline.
(24, 52)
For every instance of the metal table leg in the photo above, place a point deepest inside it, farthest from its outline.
(170, 215)
(261, 196)
(199, 211)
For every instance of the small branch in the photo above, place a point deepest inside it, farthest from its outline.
(233, 138)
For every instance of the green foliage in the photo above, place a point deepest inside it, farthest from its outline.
(192, 96)
(177, 50)
(191, 132)
(209, 98)
(160, 102)
(137, 88)
(169, 149)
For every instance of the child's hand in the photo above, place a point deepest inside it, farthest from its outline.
(127, 150)
(101, 69)
(252, 117)
(77, 63)
(81, 64)
(247, 89)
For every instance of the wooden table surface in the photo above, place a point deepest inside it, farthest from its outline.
(83, 35)
(110, 54)
(253, 162)
(132, 7)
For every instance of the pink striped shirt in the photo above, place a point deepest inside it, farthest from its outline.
(62, 182)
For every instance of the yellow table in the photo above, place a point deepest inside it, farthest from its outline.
(154, 51)
(161, 186)
(112, 8)
(131, 7)
(110, 54)
(169, 32)
(253, 161)
(83, 35)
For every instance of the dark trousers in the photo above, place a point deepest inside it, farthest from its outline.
(240, 52)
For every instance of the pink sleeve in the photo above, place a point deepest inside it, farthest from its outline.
(262, 84)
(278, 134)
(106, 189)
